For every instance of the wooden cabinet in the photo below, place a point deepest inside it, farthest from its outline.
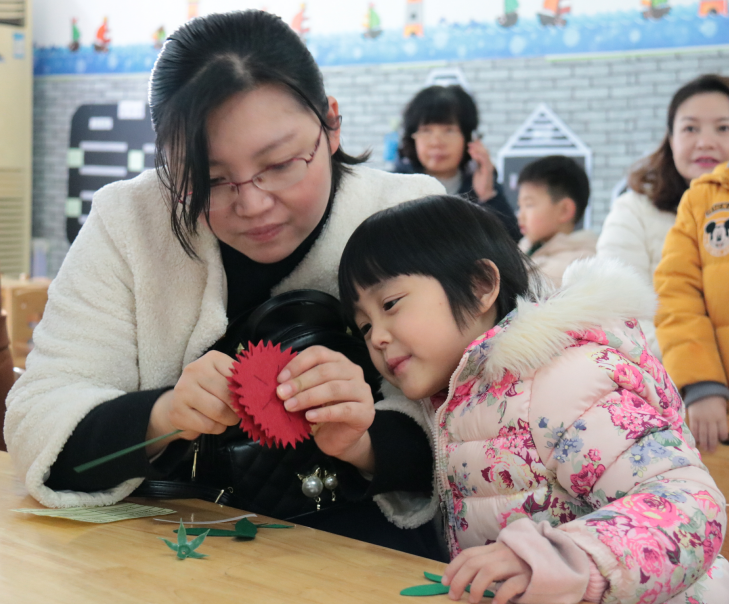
(16, 120)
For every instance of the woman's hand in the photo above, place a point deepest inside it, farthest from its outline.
(333, 390)
(481, 566)
(707, 420)
(483, 177)
(200, 402)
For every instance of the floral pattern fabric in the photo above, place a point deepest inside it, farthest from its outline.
(595, 443)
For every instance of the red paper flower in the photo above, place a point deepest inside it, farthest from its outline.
(253, 387)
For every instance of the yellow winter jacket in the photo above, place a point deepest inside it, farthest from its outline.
(692, 282)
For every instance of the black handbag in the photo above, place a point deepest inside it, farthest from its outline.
(232, 468)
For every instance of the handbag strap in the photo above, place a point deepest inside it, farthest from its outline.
(169, 489)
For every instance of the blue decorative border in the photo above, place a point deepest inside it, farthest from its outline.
(609, 32)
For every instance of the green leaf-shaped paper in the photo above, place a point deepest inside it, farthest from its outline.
(431, 589)
(181, 534)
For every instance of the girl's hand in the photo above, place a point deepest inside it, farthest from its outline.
(707, 420)
(200, 402)
(483, 177)
(338, 399)
(483, 565)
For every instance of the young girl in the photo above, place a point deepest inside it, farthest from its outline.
(561, 453)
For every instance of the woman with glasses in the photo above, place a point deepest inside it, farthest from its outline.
(439, 125)
(252, 196)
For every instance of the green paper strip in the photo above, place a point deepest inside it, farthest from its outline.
(244, 529)
(436, 588)
(431, 589)
(101, 460)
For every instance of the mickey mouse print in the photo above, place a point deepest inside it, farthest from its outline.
(716, 230)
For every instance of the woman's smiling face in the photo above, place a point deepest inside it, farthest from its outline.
(249, 133)
(700, 139)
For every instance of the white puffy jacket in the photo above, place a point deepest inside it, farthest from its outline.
(634, 232)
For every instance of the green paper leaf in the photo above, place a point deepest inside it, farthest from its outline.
(245, 528)
(172, 546)
(181, 535)
(197, 541)
(196, 555)
(431, 589)
(432, 577)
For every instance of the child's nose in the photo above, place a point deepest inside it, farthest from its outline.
(380, 337)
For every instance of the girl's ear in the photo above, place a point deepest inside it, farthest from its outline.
(488, 292)
(334, 120)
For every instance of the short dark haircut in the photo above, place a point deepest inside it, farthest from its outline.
(203, 64)
(438, 105)
(440, 236)
(656, 177)
(563, 177)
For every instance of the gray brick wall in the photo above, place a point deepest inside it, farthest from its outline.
(616, 106)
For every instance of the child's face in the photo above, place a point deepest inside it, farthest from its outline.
(540, 218)
(411, 334)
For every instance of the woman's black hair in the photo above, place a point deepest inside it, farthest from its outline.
(438, 105)
(203, 64)
(440, 236)
(656, 176)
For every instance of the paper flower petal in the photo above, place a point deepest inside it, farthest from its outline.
(253, 389)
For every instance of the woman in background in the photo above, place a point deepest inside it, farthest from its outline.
(438, 129)
(696, 141)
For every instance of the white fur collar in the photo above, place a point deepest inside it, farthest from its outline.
(595, 292)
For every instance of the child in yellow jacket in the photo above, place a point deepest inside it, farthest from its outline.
(692, 322)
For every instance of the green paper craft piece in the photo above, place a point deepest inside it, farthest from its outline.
(432, 577)
(244, 529)
(431, 589)
(183, 548)
(97, 462)
(435, 588)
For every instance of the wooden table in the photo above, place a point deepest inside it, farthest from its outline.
(57, 561)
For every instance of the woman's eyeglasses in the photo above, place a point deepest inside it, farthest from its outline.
(274, 178)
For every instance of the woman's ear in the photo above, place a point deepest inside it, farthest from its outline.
(334, 120)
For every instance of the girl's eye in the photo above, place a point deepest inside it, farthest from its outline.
(390, 303)
(690, 129)
(724, 128)
(365, 329)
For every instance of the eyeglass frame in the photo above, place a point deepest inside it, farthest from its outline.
(252, 180)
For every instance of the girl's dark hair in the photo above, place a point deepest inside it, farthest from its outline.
(440, 236)
(203, 64)
(656, 176)
(438, 105)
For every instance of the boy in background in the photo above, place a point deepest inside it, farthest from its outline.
(553, 194)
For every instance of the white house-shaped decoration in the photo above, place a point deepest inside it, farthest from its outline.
(542, 134)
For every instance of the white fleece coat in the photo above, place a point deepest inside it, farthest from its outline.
(129, 310)
(634, 232)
